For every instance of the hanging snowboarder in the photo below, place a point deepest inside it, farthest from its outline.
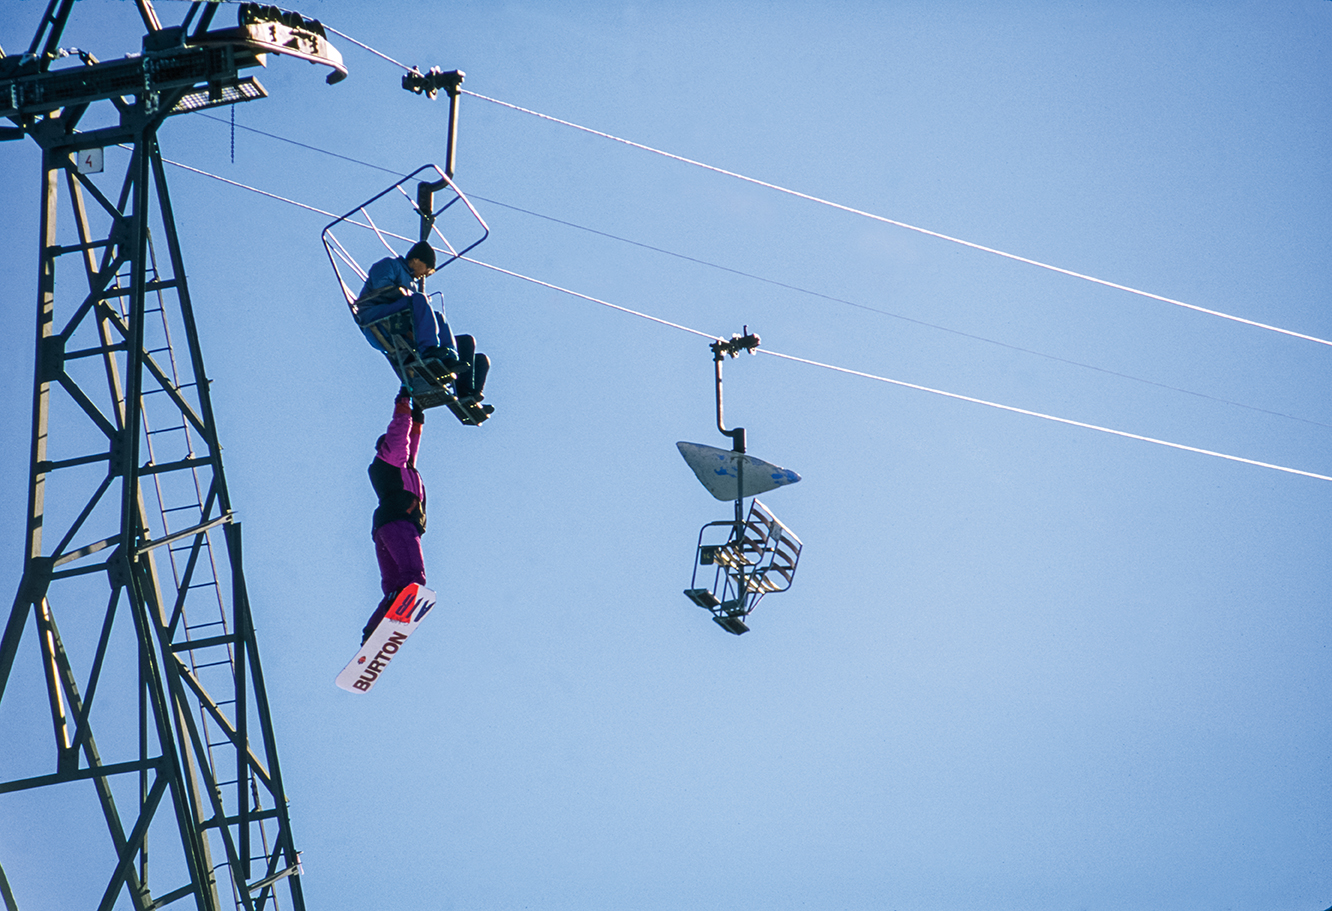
(398, 523)
(400, 518)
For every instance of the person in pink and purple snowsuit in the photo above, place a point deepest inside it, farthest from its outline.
(400, 518)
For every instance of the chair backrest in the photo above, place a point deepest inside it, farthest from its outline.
(778, 575)
(758, 557)
(767, 551)
(470, 222)
(348, 296)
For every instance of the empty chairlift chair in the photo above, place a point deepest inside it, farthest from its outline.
(757, 557)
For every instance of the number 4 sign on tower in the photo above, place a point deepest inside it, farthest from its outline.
(90, 161)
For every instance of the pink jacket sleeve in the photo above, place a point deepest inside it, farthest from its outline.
(399, 447)
(413, 443)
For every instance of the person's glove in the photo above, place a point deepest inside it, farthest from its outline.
(404, 395)
(418, 414)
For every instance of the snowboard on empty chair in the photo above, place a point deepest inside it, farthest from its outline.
(400, 621)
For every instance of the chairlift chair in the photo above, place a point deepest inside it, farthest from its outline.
(755, 558)
(751, 555)
(430, 383)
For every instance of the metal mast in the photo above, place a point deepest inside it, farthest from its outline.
(130, 679)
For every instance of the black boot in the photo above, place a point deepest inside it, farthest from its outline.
(378, 615)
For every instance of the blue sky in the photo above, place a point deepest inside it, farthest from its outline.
(1023, 664)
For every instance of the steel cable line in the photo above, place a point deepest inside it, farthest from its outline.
(906, 385)
(870, 215)
(901, 224)
(588, 297)
(899, 316)
(846, 370)
(1046, 417)
(367, 47)
(800, 290)
(303, 145)
(238, 184)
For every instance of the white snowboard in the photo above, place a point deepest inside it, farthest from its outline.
(401, 620)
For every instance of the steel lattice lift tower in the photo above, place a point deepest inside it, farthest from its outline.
(158, 716)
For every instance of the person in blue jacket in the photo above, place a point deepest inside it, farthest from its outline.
(391, 286)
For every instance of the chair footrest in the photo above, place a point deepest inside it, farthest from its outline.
(702, 597)
(733, 625)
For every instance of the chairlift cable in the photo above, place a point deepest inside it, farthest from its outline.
(329, 28)
(236, 183)
(870, 215)
(292, 202)
(810, 292)
(588, 297)
(847, 370)
(952, 395)
(1048, 417)
(901, 224)
(290, 141)
(916, 386)
(908, 319)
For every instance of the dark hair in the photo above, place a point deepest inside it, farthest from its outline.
(379, 443)
(424, 252)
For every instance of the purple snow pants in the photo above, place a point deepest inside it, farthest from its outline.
(398, 549)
